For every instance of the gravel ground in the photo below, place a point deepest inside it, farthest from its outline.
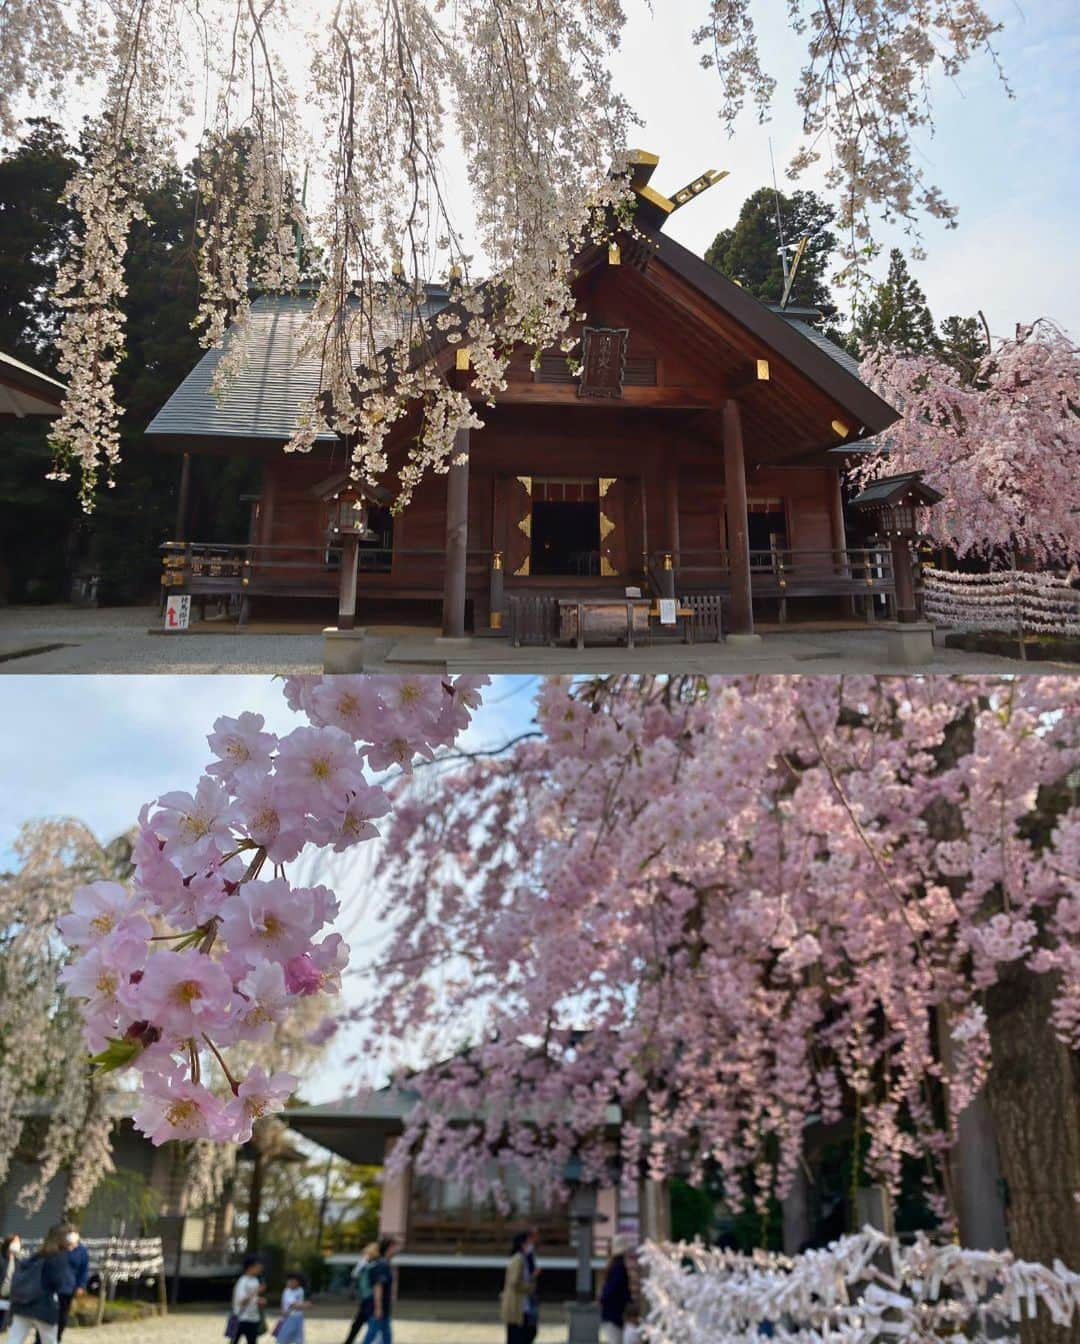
(191, 1328)
(117, 639)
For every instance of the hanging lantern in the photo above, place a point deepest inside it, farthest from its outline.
(348, 515)
(892, 504)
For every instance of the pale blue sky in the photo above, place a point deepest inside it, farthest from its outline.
(1010, 166)
(97, 748)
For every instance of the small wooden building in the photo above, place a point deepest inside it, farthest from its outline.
(698, 451)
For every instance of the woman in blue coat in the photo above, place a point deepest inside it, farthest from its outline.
(37, 1287)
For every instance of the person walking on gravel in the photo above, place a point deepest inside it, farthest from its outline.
(248, 1301)
(365, 1297)
(37, 1287)
(382, 1292)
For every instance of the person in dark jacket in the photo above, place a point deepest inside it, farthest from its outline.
(616, 1294)
(36, 1289)
(79, 1260)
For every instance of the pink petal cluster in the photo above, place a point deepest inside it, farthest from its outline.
(212, 946)
(1004, 450)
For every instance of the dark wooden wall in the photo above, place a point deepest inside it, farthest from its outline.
(639, 450)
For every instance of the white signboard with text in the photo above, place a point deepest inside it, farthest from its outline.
(177, 612)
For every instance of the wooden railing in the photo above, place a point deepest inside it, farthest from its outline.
(430, 1234)
(853, 573)
(237, 570)
(870, 566)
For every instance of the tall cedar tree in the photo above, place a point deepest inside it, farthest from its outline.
(896, 315)
(750, 251)
(963, 345)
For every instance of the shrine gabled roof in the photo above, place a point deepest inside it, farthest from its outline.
(264, 397)
(807, 350)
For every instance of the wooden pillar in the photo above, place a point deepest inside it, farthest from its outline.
(457, 538)
(350, 552)
(836, 518)
(904, 580)
(396, 1199)
(495, 592)
(182, 495)
(667, 576)
(738, 524)
(671, 511)
(655, 1210)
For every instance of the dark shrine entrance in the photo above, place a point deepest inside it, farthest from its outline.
(767, 530)
(566, 528)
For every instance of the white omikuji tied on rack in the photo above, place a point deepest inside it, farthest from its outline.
(1004, 600)
(864, 1289)
(124, 1259)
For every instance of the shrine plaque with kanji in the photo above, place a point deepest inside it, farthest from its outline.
(603, 362)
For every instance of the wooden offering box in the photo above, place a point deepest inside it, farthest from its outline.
(603, 620)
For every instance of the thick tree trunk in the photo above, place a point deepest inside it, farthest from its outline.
(1034, 1097)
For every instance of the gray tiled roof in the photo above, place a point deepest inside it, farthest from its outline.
(823, 343)
(264, 398)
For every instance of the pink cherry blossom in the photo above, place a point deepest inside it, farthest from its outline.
(183, 993)
(270, 921)
(240, 744)
(1004, 450)
(351, 703)
(262, 812)
(302, 975)
(317, 767)
(102, 910)
(177, 1108)
(207, 952)
(264, 1002)
(103, 974)
(339, 829)
(330, 958)
(193, 824)
(731, 906)
(256, 1096)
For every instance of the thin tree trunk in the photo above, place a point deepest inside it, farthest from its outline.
(255, 1192)
(1034, 1096)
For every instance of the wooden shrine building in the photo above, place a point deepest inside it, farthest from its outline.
(699, 451)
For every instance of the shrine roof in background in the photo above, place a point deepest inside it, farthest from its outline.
(26, 391)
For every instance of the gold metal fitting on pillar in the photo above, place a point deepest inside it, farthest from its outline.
(497, 560)
(668, 562)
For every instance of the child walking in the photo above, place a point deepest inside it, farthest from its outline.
(290, 1329)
